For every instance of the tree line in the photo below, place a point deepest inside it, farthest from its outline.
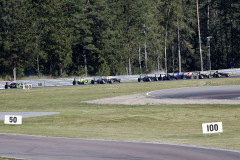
(117, 37)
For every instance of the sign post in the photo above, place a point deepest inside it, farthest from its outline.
(13, 119)
(215, 127)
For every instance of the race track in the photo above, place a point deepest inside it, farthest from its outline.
(191, 95)
(211, 92)
(49, 148)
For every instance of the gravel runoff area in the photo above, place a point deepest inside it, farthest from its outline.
(26, 114)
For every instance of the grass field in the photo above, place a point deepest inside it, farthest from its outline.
(179, 124)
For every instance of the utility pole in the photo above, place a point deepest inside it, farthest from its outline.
(179, 51)
(165, 45)
(199, 37)
(139, 58)
(209, 53)
(85, 63)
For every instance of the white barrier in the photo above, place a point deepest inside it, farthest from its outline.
(124, 78)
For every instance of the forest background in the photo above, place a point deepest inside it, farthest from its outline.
(117, 37)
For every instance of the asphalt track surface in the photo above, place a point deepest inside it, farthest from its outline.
(211, 92)
(49, 148)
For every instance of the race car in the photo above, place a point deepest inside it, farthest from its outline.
(155, 78)
(188, 76)
(13, 85)
(169, 77)
(224, 74)
(114, 80)
(202, 75)
(106, 80)
(147, 78)
(216, 74)
(180, 75)
(82, 81)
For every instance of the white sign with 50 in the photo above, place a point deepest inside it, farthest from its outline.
(13, 119)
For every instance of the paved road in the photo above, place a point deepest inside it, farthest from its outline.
(49, 148)
(211, 92)
(69, 81)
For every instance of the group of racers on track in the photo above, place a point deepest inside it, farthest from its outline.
(146, 78)
(189, 75)
(100, 80)
(13, 84)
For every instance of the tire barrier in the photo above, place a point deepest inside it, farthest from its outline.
(27, 86)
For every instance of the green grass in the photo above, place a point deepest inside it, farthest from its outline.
(179, 124)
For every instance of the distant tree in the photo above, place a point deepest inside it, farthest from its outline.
(57, 35)
(15, 24)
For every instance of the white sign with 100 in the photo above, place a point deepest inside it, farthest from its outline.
(215, 127)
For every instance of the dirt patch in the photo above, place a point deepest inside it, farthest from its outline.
(143, 99)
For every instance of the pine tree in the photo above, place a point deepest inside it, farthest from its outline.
(15, 26)
(57, 35)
